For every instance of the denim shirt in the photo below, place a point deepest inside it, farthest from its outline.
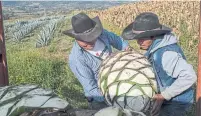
(85, 66)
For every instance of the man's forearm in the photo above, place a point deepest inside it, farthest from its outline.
(179, 86)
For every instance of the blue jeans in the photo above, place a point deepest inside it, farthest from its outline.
(174, 109)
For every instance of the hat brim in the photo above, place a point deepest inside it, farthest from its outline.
(129, 35)
(89, 36)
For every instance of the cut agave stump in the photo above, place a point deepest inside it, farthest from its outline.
(126, 80)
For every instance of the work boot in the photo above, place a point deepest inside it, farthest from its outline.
(95, 105)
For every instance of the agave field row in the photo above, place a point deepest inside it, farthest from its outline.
(20, 29)
(25, 29)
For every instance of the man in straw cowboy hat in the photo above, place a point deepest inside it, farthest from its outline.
(92, 45)
(174, 75)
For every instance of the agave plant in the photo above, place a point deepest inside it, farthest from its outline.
(46, 33)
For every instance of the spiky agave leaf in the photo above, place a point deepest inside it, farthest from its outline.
(15, 100)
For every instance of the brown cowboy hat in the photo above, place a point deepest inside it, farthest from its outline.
(145, 25)
(85, 28)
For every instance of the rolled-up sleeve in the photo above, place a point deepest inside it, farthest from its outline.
(177, 67)
(86, 77)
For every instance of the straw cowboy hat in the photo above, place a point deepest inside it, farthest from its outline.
(145, 25)
(85, 28)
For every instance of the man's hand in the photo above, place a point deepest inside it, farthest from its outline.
(158, 101)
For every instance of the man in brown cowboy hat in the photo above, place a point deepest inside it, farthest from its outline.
(174, 75)
(92, 45)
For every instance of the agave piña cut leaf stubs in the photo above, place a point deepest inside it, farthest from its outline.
(126, 80)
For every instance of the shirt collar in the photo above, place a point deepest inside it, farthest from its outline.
(154, 44)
